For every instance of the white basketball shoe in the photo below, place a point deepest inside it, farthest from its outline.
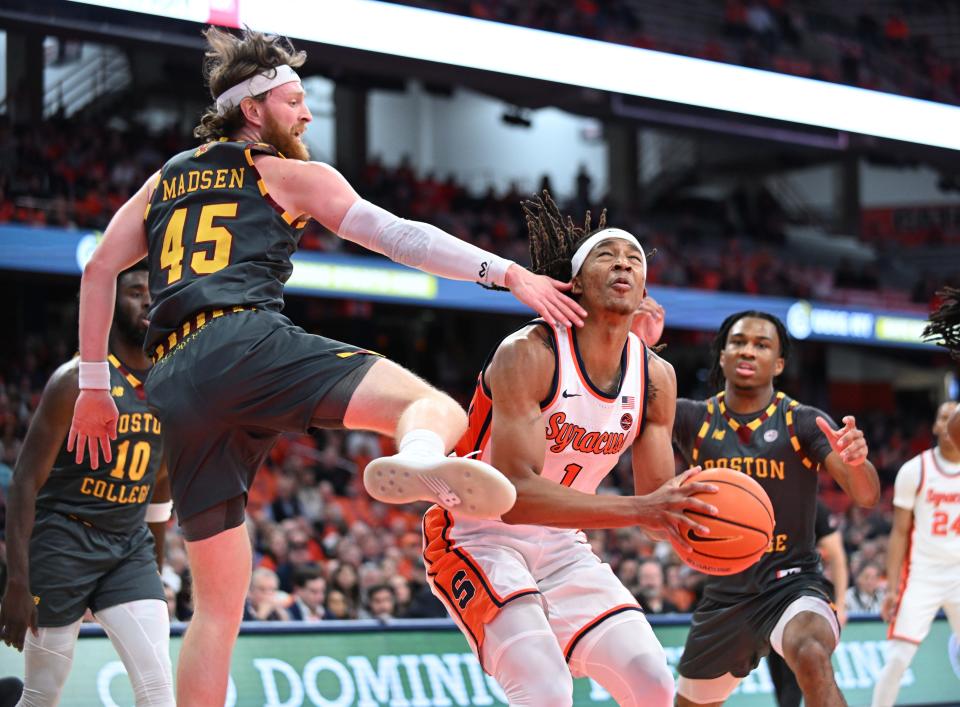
(463, 486)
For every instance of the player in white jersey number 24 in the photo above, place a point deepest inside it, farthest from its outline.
(554, 410)
(923, 561)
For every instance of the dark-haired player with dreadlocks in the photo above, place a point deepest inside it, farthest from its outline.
(554, 410)
(783, 601)
(219, 224)
(944, 329)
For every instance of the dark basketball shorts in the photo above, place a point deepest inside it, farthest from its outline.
(732, 637)
(74, 567)
(226, 392)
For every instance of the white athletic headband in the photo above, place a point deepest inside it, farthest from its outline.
(254, 86)
(584, 250)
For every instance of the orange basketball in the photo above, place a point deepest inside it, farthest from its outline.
(739, 534)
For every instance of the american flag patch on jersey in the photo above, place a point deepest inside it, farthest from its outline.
(627, 401)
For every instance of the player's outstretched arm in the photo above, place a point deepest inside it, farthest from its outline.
(847, 461)
(124, 243)
(519, 378)
(322, 192)
(44, 439)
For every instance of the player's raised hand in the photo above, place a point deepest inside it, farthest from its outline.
(94, 425)
(663, 510)
(544, 295)
(648, 321)
(848, 441)
(18, 612)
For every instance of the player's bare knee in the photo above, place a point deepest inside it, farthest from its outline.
(809, 658)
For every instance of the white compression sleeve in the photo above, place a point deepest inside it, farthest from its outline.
(421, 245)
(899, 656)
(625, 657)
(522, 653)
(140, 631)
(47, 660)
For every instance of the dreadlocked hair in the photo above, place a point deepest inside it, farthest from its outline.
(943, 326)
(554, 238)
(231, 59)
(717, 379)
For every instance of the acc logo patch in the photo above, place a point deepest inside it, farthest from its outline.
(770, 435)
(626, 421)
(203, 148)
(117, 391)
(719, 434)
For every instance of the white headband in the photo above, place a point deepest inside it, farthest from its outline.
(254, 86)
(584, 250)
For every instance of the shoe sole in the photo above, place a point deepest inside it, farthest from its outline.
(464, 486)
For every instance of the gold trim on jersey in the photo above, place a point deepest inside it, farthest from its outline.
(794, 440)
(130, 378)
(192, 324)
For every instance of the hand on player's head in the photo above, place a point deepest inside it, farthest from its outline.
(848, 441)
(94, 425)
(648, 321)
(545, 296)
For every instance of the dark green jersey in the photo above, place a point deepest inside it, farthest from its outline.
(216, 238)
(115, 496)
(780, 448)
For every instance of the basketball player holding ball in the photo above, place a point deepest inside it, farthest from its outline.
(783, 601)
(554, 410)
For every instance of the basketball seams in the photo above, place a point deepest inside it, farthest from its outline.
(742, 488)
(709, 558)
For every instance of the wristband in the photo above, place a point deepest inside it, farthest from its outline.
(94, 375)
(159, 512)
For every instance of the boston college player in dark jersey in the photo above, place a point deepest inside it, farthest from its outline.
(554, 409)
(782, 602)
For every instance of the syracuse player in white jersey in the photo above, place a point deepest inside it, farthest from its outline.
(554, 410)
(923, 559)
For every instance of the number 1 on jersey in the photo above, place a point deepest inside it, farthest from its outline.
(570, 474)
(202, 261)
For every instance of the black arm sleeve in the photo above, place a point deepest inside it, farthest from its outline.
(690, 415)
(812, 441)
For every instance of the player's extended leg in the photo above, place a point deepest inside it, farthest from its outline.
(806, 636)
(898, 658)
(220, 569)
(785, 686)
(140, 632)
(625, 657)
(427, 424)
(705, 693)
(522, 653)
(916, 610)
(47, 660)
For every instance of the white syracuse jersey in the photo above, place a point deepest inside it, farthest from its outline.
(586, 429)
(929, 485)
(476, 567)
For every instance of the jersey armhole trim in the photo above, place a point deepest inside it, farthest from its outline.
(291, 220)
(645, 353)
